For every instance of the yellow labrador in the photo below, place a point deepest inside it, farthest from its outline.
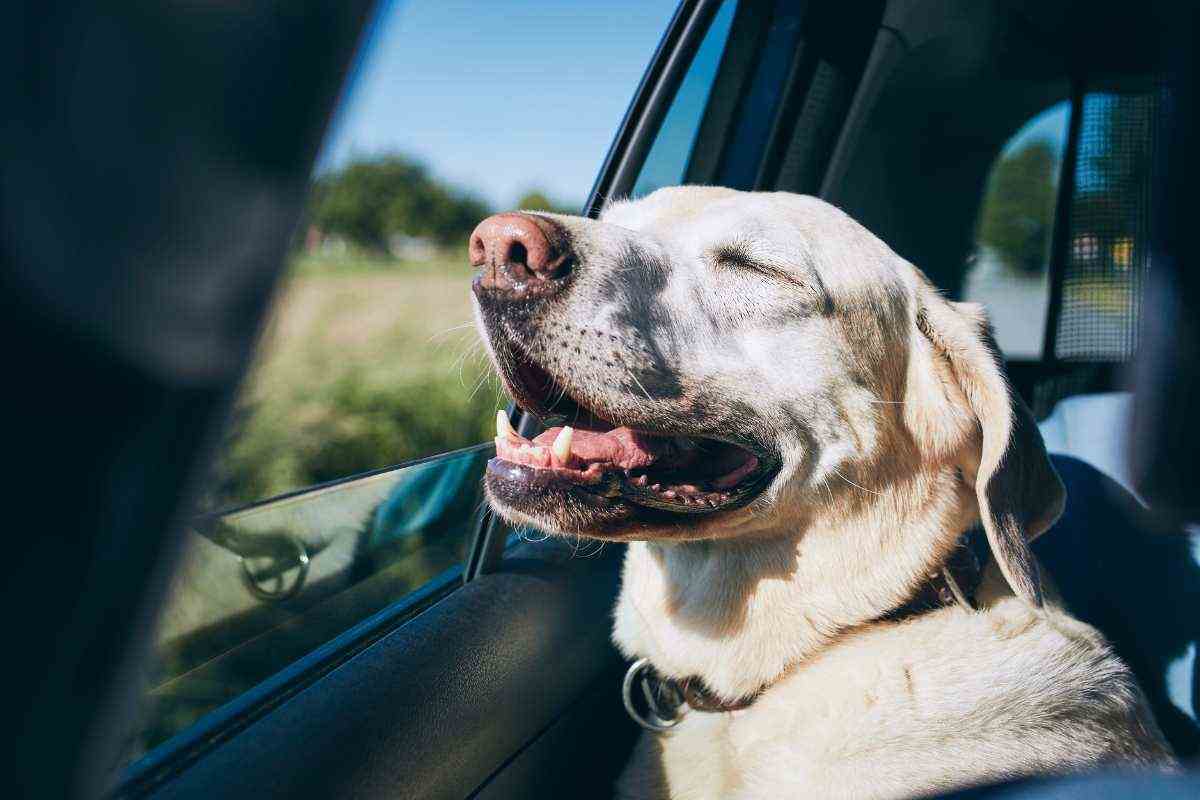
(793, 430)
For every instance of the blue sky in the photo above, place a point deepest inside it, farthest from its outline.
(498, 97)
(1050, 125)
(504, 96)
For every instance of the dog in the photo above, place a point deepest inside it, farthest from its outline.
(793, 431)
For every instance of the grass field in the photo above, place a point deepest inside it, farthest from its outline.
(365, 363)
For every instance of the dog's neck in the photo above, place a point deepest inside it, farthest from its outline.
(741, 612)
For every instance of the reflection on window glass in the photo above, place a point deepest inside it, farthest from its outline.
(264, 586)
(666, 163)
(370, 358)
(1009, 272)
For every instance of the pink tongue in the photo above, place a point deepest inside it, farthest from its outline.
(622, 447)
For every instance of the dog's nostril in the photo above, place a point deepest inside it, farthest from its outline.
(517, 254)
(476, 250)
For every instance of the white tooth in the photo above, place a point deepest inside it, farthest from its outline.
(503, 426)
(562, 444)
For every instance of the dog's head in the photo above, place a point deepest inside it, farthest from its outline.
(714, 363)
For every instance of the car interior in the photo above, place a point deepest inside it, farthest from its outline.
(497, 679)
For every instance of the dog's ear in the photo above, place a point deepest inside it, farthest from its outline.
(1019, 493)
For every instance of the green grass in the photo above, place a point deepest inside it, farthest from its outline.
(365, 363)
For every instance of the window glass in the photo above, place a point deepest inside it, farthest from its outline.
(370, 358)
(263, 586)
(1009, 267)
(759, 106)
(666, 163)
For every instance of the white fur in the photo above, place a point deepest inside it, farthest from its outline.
(896, 432)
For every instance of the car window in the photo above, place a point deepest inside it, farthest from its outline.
(763, 98)
(351, 473)
(666, 163)
(1008, 269)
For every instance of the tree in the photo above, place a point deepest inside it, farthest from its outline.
(1018, 207)
(368, 201)
(537, 200)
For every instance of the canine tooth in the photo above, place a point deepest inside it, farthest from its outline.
(504, 428)
(562, 443)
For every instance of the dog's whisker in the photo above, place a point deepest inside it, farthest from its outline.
(599, 549)
(852, 483)
(461, 360)
(472, 351)
(483, 378)
(449, 330)
(524, 531)
(639, 385)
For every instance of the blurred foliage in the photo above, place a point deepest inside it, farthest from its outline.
(368, 201)
(1018, 206)
(357, 427)
(367, 363)
(535, 200)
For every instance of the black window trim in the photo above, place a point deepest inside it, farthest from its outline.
(1061, 231)
(651, 102)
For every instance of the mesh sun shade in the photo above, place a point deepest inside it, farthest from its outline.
(1108, 251)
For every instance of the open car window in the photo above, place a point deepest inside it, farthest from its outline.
(1009, 267)
(348, 488)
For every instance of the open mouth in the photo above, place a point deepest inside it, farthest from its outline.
(665, 471)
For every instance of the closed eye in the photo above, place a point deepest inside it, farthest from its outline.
(738, 256)
(732, 255)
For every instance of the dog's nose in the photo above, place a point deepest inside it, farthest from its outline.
(518, 252)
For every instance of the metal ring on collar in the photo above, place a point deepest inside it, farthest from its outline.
(652, 720)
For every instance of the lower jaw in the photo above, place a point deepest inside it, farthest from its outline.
(612, 491)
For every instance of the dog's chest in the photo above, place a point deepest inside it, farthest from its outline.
(816, 733)
(808, 735)
(946, 700)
